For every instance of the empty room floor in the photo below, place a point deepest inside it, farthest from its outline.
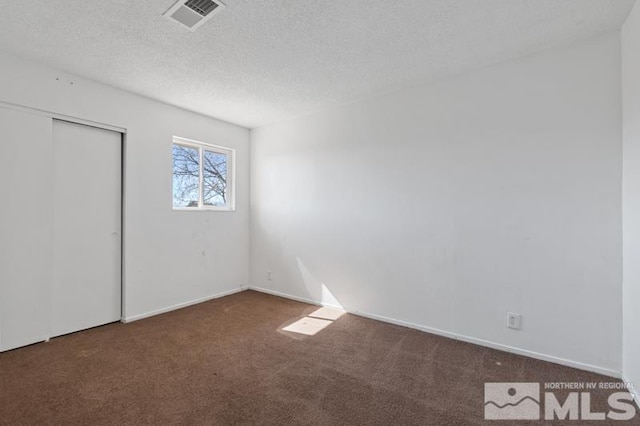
(229, 361)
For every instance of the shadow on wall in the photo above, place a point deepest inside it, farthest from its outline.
(316, 289)
(316, 321)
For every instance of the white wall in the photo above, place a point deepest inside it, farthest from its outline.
(170, 257)
(631, 180)
(26, 228)
(445, 206)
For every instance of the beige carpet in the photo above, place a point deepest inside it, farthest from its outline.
(228, 361)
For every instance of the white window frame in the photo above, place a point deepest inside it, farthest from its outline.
(231, 176)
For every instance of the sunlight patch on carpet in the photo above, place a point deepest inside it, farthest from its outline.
(307, 325)
(327, 313)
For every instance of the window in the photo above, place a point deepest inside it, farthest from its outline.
(202, 176)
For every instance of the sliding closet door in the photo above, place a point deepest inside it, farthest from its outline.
(86, 227)
(25, 228)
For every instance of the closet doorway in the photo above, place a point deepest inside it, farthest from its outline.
(87, 226)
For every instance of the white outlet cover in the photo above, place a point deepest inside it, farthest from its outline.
(514, 321)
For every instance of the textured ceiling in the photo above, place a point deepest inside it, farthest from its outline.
(262, 61)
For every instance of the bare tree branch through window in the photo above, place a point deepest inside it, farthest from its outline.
(187, 170)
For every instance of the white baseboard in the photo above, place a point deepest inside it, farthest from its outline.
(183, 305)
(292, 297)
(439, 332)
(456, 336)
(633, 391)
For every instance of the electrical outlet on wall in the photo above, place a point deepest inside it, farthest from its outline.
(269, 275)
(514, 321)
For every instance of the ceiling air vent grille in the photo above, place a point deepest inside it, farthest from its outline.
(203, 7)
(193, 13)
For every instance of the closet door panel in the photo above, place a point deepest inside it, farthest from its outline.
(86, 227)
(26, 228)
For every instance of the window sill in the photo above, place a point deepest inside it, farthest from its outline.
(204, 209)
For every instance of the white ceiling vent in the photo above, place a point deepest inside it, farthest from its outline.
(193, 13)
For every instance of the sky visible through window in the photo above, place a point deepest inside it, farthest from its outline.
(186, 177)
